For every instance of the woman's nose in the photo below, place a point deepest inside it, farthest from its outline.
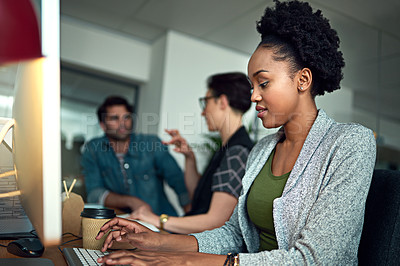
(255, 96)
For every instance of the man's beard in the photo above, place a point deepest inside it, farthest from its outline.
(114, 135)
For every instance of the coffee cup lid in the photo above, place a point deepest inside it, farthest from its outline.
(98, 213)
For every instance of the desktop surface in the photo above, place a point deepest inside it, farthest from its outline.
(26, 262)
(54, 253)
(51, 253)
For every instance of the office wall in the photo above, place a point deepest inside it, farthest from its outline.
(151, 92)
(92, 47)
(389, 130)
(338, 104)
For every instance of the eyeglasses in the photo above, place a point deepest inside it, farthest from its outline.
(116, 118)
(203, 101)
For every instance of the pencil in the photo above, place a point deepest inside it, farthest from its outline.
(70, 188)
(66, 190)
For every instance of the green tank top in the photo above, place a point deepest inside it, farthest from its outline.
(265, 188)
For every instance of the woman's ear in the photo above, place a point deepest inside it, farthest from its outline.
(304, 79)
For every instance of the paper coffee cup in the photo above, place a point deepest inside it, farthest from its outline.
(92, 220)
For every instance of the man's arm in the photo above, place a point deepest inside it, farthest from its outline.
(114, 200)
(93, 182)
(95, 188)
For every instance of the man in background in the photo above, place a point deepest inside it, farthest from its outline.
(126, 170)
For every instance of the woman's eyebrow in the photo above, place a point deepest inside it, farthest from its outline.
(259, 71)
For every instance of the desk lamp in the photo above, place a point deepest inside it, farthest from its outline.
(19, 41)
(19, 32)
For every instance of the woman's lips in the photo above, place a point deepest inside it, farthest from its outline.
(261, 111)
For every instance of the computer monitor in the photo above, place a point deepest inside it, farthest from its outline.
(36, 150)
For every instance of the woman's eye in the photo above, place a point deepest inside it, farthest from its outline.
(263, 85)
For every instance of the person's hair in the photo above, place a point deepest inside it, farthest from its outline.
(306, 40)
(235, 86)
(111, 101)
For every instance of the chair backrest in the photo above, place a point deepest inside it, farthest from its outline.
(380, 239)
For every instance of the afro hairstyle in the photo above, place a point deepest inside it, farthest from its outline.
(306, 39)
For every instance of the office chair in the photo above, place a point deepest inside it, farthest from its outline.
(380, 239)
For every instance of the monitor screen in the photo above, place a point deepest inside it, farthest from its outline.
(36, 149)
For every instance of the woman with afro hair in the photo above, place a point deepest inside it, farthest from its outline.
(305, 187)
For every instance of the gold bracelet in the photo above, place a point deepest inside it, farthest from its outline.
(163, 219)
(232, 259)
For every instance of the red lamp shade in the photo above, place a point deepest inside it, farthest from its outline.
(19, 31)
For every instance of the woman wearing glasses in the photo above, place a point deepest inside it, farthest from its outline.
(214, 194)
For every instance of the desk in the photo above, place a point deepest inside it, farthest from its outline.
(52, 253)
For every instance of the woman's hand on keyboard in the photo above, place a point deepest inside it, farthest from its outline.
(139, 257)
(123, 230)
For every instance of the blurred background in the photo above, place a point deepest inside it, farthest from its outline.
(159, 53)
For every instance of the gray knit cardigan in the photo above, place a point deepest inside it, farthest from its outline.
(319, 217)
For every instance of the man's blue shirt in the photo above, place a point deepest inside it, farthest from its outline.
(147, 165)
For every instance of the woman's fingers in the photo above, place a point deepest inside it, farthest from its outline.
(114, 222)
(172, 132)
(115, 235)
(176, 137)
(125, 257)
(119, 223)
(119, 257)
(112, 236)
(178, 140)
(140, 257)
(117, 228)
(144, 241)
